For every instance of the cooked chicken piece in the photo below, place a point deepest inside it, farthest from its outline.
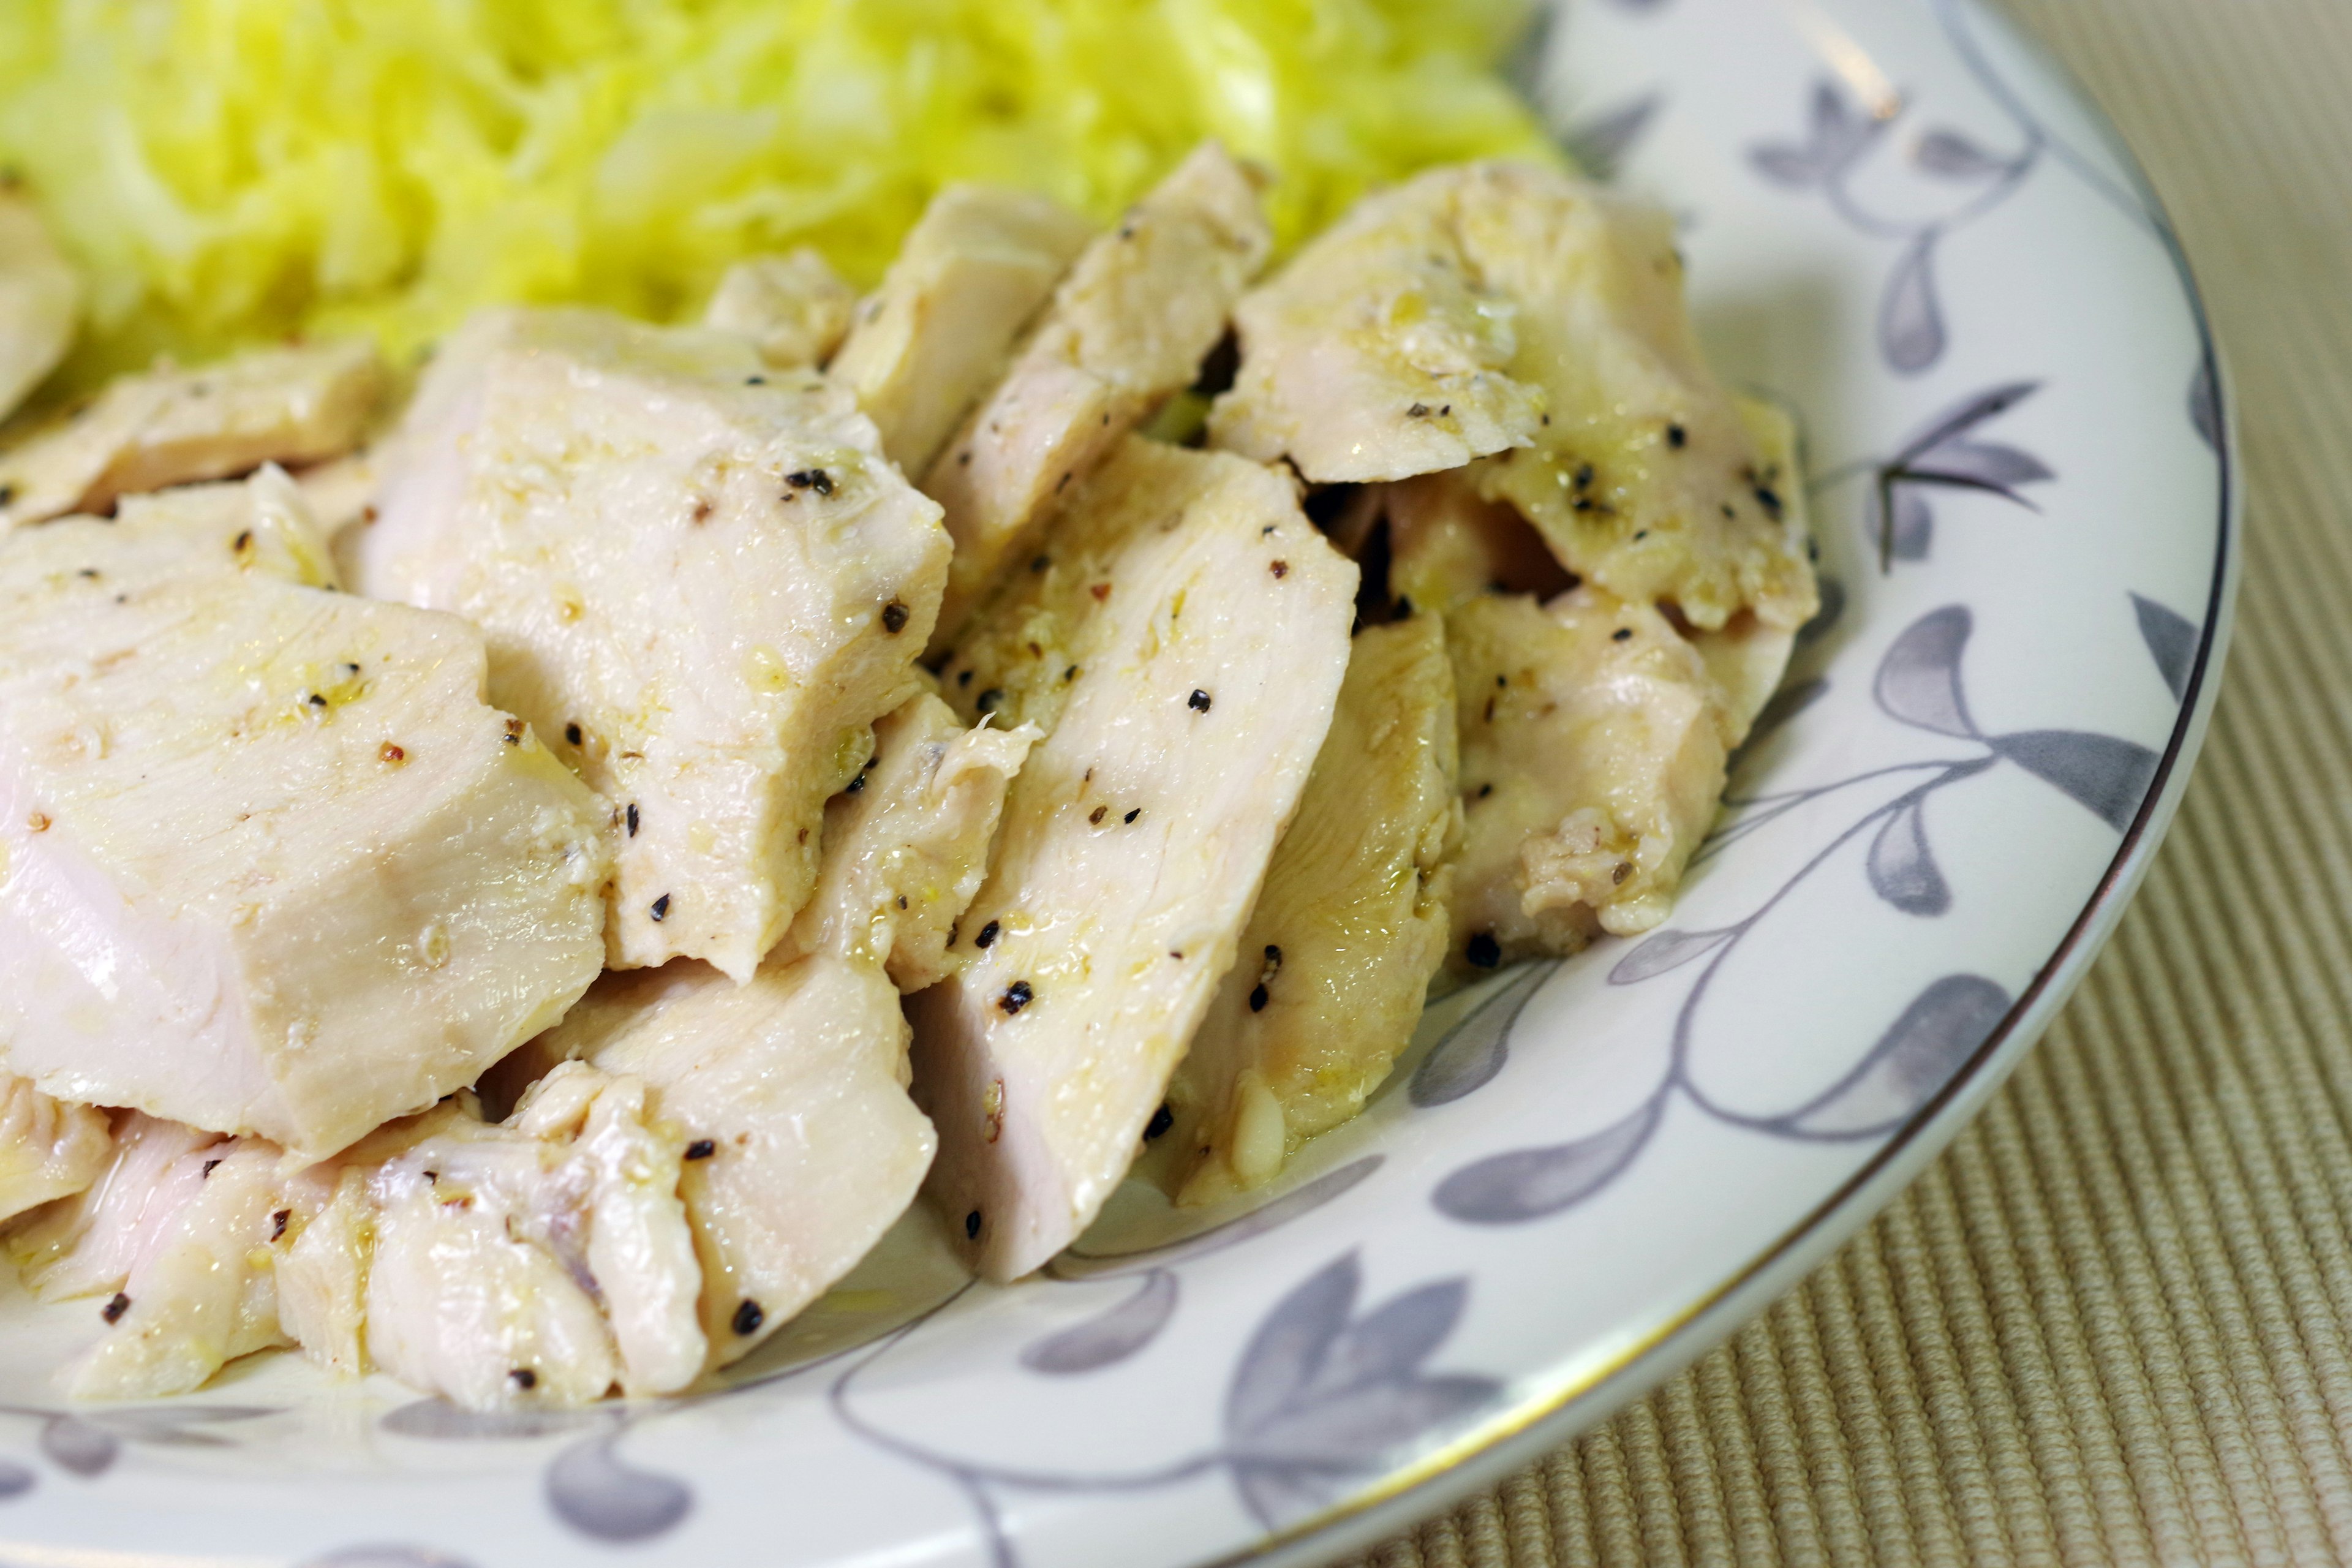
(1447, 546)
(907, 844)
(341, 490)
(320, 1262)
(1592, 756)
(261, 527)
(699, 579)
(174, 1232)
(40, 301)
(791, 1092)
(1181, 641)
(48, 1150)
(793, 308)
(1748, 654)
(537, 1260)
(793, 1088)
(1335, 962)
(1127, 327)
(267, 863)
(936, 335)
(88, 1243)
(1379, 351)
(169, 426)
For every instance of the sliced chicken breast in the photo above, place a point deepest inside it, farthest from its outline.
(268, 864)
(258, 527)
(169, 426)
(701, 581)
(793, 308)
(802, 1145)
(1335, 961)
(969, 276)
(1592, 757)
(40, 301)
(1379, 351)
(48, 1150)
(1182, 638)
(907, 844)
(1130, 326)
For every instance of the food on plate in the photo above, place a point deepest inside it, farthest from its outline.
(40, 300)
(1179, 635)
(699, 580)
(48, 1149)
(169, 426)
(794, 307)
(272, 864)
(1128, 327)
(545, 968)
(1351, 924)
(940, 330)
(390, 174)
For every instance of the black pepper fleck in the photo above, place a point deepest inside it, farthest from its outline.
(1161, 1120)
(660, 911)
(1097, 814)
(1418, 411)
(632, 820)
(112, 1312)
(1769, 500)
(277, 1223)
(972, 1225)
(894, 617)
(1259, 999)
(1280, 569)
(1016, 996)
(755, 380)
(987, 700)
(1198, 701)
(856, 786)
(1623, 634)
(1485, 790)
(242, 543)
(815, 480)
(701, 1149)
(964, 679)
(210, 1166)
(1676, 437)
(748, 1318)
(572, 734)
(1484, 950)
(1070, 674)
(317, 701)
(524, 1378)
(987, 937)
(1131, 815)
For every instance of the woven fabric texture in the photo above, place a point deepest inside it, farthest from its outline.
(2113, 1323)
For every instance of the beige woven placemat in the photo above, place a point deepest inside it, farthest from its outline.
(2115, 1323)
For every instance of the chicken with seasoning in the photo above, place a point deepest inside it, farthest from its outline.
(521, 892)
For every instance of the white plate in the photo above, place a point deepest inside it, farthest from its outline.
(1902, 221)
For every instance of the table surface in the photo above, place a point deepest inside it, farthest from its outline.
(2113, 1323)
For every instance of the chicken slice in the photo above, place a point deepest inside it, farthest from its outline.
(40, 302)
(969, 276)
(699, 579)
(537, 1260)
(1126, 329)
(89, 1243)
(803, 1146)
(1182, 644)
(1592, 757)
(169, 426)
(793, 308)
(907, 844)
(1379, 351)
(48, 1150)
(262, 526)
(1335, 962)
(267, 862)
(793, 1088)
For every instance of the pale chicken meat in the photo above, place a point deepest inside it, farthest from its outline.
(907, 844)
(40, 301)
(803, 1146)
(542, 1259)
(261, 527)
(174, 1234)
(269, 863)
(970, 275)
(701, 581)
(48, 1150)
(793, 308)
(1181, 638)
(1592, 756)
(171, 426)
(1379, 352)
(1336, 958)
(1128, 327)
